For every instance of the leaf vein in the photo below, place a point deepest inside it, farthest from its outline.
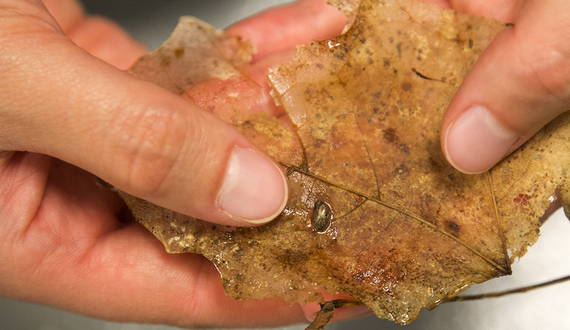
(404, 212)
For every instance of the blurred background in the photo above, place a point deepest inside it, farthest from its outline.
(151, 22)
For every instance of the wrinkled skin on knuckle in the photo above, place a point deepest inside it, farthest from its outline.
(154, 141)
(543, 55)
(24, 17)
(551, 69)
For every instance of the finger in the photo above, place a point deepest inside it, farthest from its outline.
(74, 255)
(520, 83)
(107, 41)
(99, 36)
(67, 13)
(58, 100)
(252, 91)
(259, 70)
(282, 28)
(502, 10)
(441, 3)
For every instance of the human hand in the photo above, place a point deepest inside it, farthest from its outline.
(132, 134)
(520, 83)
(68, 243)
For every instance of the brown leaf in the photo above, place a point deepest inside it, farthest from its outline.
(375, 210)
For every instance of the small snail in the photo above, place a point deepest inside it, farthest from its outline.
(322, 215)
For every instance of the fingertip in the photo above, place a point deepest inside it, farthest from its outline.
(284, 27)
(254, 189)
(518, 85)
(476, 141)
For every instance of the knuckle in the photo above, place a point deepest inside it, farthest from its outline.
(154, 139)
(549, 70)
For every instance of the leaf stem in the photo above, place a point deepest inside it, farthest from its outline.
(507, 292)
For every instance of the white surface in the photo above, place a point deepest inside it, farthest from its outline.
(547, 308)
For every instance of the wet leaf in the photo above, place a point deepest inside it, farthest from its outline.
(375, 210)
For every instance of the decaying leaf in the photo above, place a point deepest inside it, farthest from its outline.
(375, 210)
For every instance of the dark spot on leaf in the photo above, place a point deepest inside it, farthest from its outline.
(390, 135)
(319, 143)
(339, 55)
(402, 170)
(522, 199)
(165, 60)
(406, 86)
(179, 52)
(292, 257)
(454, 227)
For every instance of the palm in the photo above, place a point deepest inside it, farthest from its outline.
(64, 233)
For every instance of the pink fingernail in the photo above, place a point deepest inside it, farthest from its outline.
(476, 141)
(254, 189)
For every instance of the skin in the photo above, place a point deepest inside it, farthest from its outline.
(68, 243)
(522, 79)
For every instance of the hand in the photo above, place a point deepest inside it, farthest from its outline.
(132, 134)
(67, 116)
(520, 83)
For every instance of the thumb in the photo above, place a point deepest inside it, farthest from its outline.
(520, 83)
(58, 100)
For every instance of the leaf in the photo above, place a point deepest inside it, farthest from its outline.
(375, 210)
(205, 65)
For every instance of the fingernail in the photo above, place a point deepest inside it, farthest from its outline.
(476, 141)
(254, 189)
